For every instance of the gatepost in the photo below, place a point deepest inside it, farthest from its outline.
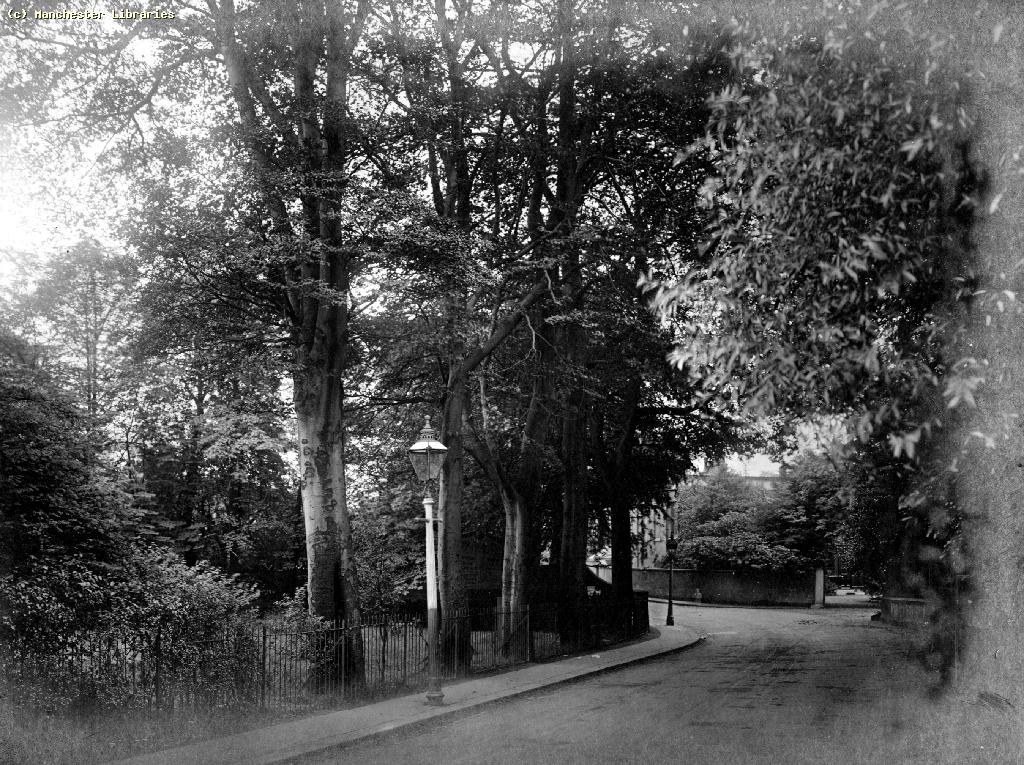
(819, 588)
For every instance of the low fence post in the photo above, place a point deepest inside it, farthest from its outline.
(263, 666)
(530, 647)
(344, 657)
(158, 659)
(956, 627)
(496, 622)
(405, 651)
(530, 651)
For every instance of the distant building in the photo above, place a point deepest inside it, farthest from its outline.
(649, 534)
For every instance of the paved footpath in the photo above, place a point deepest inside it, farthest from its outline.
(322, 732)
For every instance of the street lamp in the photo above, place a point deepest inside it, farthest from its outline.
(427, 456)
(671, 543)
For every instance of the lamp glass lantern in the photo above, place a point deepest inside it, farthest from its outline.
(671, 543)
(427, 454)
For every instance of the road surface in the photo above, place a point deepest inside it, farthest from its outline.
(766, 686)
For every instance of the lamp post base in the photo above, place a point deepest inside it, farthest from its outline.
(669, 621)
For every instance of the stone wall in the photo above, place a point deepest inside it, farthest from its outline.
(733, 587)
(911, 612)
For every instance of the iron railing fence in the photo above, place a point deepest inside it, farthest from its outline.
(262, 664)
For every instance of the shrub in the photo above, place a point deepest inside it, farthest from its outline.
(154, 616)
(726, 522)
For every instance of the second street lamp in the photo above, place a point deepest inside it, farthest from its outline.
(427, 457)
(671, 543)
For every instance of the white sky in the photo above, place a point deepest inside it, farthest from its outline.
(46, 202)
(24, 225)
(753, 465)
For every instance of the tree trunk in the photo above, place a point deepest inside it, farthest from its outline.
(326, 35)
(616, 473)
(333, 591)
(451, 587)
(523, 492)
(92, 339)
(192, 491)
(517, 494)
(622, 549)
(513, 571)
(572, 337)
(573, 548)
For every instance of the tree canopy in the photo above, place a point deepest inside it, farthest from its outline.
(334, 218)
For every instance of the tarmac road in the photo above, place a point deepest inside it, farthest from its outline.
(766, 686)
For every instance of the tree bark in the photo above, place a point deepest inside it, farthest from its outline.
(573, 548)
(622, 547)
(451, 587)
(615, 475)
(319, 317)
(572, 336)
(518, 491)
(332, 587)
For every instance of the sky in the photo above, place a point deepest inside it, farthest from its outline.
(46, 201)
(24, 226)
(753, 465)
(31, 215)
(47, 194)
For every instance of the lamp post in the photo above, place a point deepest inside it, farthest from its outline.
(427, 456)
(671, 543)
(670, 547)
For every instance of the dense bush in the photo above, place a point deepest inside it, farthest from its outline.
(75, 570)
(813, 509)
(390, 559)
(53, 500)
(840, 510)
(63, 530)
(154, 616)
(728, 522)
(846, 509)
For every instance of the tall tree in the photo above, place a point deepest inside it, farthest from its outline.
(859, 260)
(291, 107)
